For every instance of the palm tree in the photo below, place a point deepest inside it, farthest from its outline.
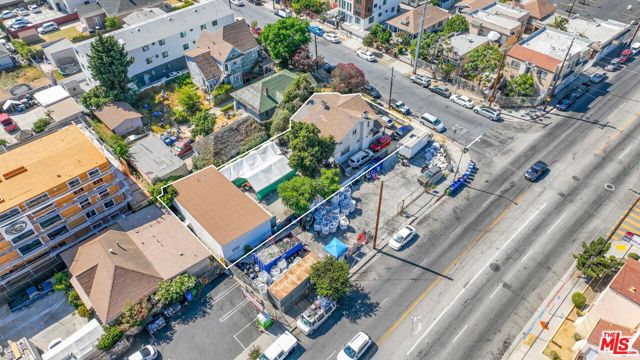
(559, 23)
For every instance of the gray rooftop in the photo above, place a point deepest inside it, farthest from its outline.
(462, 44)
(53, 47)
(119, 7)
(153, 158)
(142, 15)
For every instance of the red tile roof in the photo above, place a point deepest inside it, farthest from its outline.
(603, 325)
(627, 282)
(541, 60)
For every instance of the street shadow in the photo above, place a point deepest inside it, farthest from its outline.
(357, 304)
(371, 352)
(493, 194)
(385, 253)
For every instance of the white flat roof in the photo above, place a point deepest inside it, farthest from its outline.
(554, 43)
(597, 30)
(500, 9)
(462, 44)
(51, 95)
(497, 20)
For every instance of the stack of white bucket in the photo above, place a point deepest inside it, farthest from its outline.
(436, 155)
(265, 279)
(333, 213)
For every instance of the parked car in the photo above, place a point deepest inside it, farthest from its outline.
(402, 237)
(380, 143)
(373, 92)
(626, 55)
(635, 48)
(597, 77)
(256, 30)
(332, 37)
(360, 158)
(182, 147)
(7, 123)
(535, 171)
(614, 65)
(566, 101)
(420, 80)
(30, 296)
(7, 14)
(21, 11)
(280, 348)
(400, 106)
(387, 121)
(432, 122)
(18, 26)
(47, 28)
(237, 2)
(283, 13)
(462, 101)
(316, 30)
(146, 353)
(35, 9)
(19, 20)
(315, 315)
(173, 74)
(356, 347)
(488, 112)
(402, 132)
(441, 90)
(367, 55)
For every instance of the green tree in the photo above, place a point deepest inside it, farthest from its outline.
(328, 182)
(369, 40)
(111, 336)
(280, 121)
(284, 37)
(521, 85)
(579, 300)
(298, 193)
(299, 91)
(222, 89)
(428, 46)
(434, 2)
(348, 78)
(95, 98)
(315, 6)
(483, 59)
(201, 161)
(160, 195)
(61, 281)
(380, 36)
(27, 52)
(109, 64)
(203, 123)
(189, 99)
(592, 261)
(134, 315)
(330, 277)
(112, 22)
(41, 125)
(3, 142)
(73, 298)
(119, 147)
(455, 24)
(84, 312)
(559, 23)
(173, 290)
(308, 148)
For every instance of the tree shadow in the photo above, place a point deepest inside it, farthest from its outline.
(357, 304)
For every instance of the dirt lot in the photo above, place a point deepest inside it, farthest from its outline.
(25, 75)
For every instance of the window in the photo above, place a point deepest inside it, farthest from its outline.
(97, 226)
(37, 200)
(165, 54)
(97, 181)
(24, 250)
(542, 74)
(145, 48)
(23, 236)
(89, 214)
(514, 65)
(148, 60)
(109, 204)
(103, 192)
(185, 46)
(355, 131)
(203, 26)
(214, 23)
(78, 191)
(57, 232)
(379, 14)
(183, 34)
(384, 2)
(83, 201)
(49, 219)
(74, 183)
(94, 173)
(9, 214)
(161, 42)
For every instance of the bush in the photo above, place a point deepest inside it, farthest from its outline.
(577, 337)
(227, 108)
(134, 315)
(254, 352)
(41, 125)
(634, 256)
(3, 142)
(84, 312)
(111, 336)
(173, 290)
(112, 22)
(554, 355)
(74, 299)
(61, 281)
(578, 300)
(80, 37)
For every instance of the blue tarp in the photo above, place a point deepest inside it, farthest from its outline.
(336, 248)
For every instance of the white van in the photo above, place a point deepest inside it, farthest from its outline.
(360, 158)
(635, 48)
(432, 122)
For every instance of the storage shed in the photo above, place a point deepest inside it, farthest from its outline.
(294, 284)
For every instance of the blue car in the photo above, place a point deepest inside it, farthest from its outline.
(316, 30)
(565, 103)
(402, 132)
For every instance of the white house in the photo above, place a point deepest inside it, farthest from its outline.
(157, 45)
(68, 6)
(363, 14)
(222, 216)
(350, 119)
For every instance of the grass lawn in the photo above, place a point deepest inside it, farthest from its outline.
(63, 33)
(25, 75)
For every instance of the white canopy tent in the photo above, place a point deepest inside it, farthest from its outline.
(51, 95)
(79, 345)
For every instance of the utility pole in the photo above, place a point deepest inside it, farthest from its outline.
(315, 42)
(570, 10)
(390, 88)
(555, 78)
(497, 81)
(229, 4)
(634, 34)
(375, 234)
(417, 55)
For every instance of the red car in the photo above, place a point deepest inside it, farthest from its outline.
(256, 31)
(182, 147)
(626, 55)
(381, 143)
(7, 123)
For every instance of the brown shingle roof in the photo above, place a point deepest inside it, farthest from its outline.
(468, 6)
(340, 115)
(541, 60)
(627, 281)
(239, 35)
(410, 21)
(224, 211)
(207, 65)
(603, 325)
(538, 9)
(116, 113)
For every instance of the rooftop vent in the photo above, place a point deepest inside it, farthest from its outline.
(632, 289)
(111, 251)
(365, 114)
(14, 172)
(324, 103)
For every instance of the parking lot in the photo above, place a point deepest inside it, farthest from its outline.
(44, 15)
(219, 324)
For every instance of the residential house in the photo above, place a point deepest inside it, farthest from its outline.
(80, 345)
(445, 4)
(350, 119)
(261, 98)
(92, 16)
(409, 22)
(50, 96)
(509, 29)
(120, 117)
(362, 14)
(56, 191)
(68, 6)
(6, 60)
(158, 44)
(541, 54)
(122, 8)
(461, 45)
(617, 308)
(220, 214)
(539, 10)
(30, 36)
(228, 55)
(60, 54)
(469, 6)
(606, 36)
(65, 111)
(154, 160)
(126, 263)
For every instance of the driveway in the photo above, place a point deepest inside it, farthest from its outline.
(218, 325)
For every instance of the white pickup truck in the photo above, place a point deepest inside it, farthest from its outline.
(280, 348)
(315, 315)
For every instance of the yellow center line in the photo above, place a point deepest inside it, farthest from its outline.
(447, 269)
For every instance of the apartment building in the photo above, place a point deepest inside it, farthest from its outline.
(362, 14)
(55, 192)
(157, 45)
